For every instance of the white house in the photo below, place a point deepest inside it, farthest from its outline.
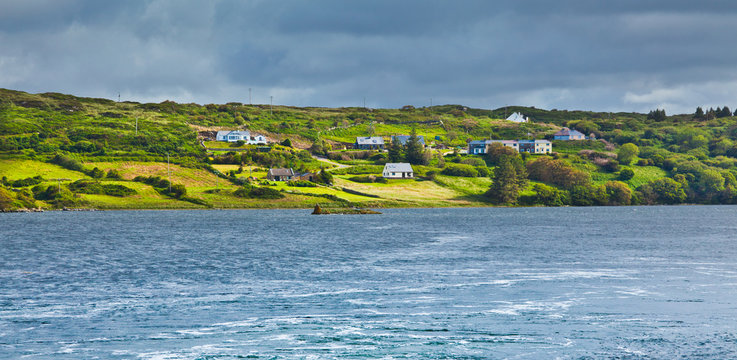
(398, 171)
(568, 134)
(518, 118)
(237, 135)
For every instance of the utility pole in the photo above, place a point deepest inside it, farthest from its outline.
(118, 96)
(364, 102)
(168, 173)
(136, 126)
(430, 102)
(59, 180)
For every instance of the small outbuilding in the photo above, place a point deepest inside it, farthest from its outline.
(398, 171)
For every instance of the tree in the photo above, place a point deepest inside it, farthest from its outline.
(324, 177)
(726, 112)
(618, 193)
(710, 182)
(664, 191)
(413, 149)
(656, 115)
(394, 152)
(549, 196)
(505, 183)
(699, 114)
(97, 173)
(627, 153)
(496, 152)
(286, 142)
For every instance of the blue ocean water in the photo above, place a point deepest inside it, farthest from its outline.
(492, 283)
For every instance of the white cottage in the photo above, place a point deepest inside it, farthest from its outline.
(518, 118)
(237, 135)
(398, 171)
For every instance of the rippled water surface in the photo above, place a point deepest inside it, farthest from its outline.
(530, 283)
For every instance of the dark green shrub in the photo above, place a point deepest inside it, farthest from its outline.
(483, 171)
(460, 170)
(301, 183)
(27, 181)
(251, 192)
(626, 174)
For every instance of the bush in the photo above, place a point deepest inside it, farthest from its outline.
(95, 187)
(113, 174)
(483, 171)
(67, 162)
(460, 170)
(473, 161)
(27, 181)
(301, 183)
(252, 192)
(611, 166)
(368, 179)
(626, 174)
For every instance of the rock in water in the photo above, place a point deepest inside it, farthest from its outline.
(317, 210)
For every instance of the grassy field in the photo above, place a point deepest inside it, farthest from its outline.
(257, 172)
(179, 175)
(147, 198)
(16, 169)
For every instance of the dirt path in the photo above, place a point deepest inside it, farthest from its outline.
(324, 159)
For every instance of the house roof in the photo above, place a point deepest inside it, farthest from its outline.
(568, 132)
(369, 140)
(398, 167)
(281, 172)
(234, 132)
(536, 141)
(517, 117)
(404, 138)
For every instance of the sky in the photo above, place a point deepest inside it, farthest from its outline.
(624, 55)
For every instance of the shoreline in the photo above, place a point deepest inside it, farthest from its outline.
(29, 211)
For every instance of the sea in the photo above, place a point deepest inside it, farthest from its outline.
(654, 282)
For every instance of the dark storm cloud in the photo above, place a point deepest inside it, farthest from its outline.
(617, 55)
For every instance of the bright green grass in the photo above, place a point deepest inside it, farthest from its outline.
(468, 186)
(147, 198)
(645, 174)
(21, 169)
(257, 172)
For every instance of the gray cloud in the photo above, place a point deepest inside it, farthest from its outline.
(617, 56)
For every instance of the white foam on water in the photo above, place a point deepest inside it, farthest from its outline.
(635, 292)
(162, 355)
(282, 337)
(552, 307)
(349, 330)
(242, 323)
(335, 292)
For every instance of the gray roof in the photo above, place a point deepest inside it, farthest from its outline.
(234, 132)
(404, 138)
(370, 140)
(398, 167)
(281, 172)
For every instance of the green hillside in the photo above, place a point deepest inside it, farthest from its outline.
(60, 151)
